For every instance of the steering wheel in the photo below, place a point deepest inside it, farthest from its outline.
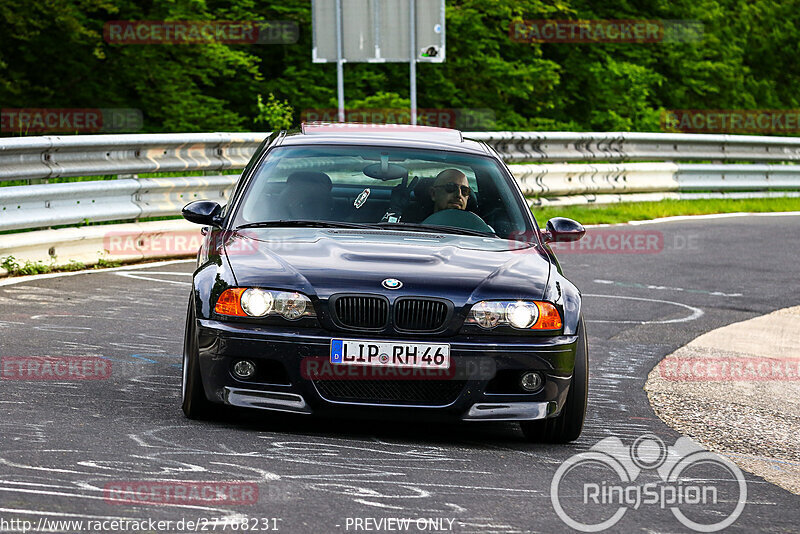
(459, 219)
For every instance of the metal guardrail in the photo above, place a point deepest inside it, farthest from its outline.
(46, 205)
(39, 206)
(41, 158)
(635, 146)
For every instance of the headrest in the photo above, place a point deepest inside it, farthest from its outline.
(309, 178)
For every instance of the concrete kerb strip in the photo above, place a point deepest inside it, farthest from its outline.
(752, 418)
(127, 242)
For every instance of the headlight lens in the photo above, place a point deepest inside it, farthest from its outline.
(291, 306)
(523, 315)
(487, 314)
(255, 302)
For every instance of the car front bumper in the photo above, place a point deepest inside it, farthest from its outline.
(485, 390)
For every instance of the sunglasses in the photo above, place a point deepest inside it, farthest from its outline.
(451, 187)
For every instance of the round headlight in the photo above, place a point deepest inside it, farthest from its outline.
(487, 314)
(522, 314)
(291, 305)
(257, 302)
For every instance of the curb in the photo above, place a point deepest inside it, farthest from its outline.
(130, 242)
(736, 390)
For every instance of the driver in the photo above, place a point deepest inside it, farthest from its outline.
(450, 190)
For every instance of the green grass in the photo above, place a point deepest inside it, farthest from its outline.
(639, 211)
(15, 268)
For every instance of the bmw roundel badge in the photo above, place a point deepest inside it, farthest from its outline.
(392, 283)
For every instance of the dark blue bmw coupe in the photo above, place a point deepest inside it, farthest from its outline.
(384, 271)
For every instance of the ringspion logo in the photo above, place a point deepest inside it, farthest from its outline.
(593, 490)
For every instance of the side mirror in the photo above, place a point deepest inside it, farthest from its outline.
(202, 212)
(563, 230)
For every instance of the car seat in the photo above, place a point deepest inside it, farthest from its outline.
(307, 195)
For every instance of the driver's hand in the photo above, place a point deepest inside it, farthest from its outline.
(401, 195)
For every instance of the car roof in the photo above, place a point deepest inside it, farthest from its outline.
(390, 135)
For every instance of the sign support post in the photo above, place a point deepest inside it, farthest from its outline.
(412, 65)
(339, 61)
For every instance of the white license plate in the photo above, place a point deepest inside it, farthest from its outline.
(387, 354)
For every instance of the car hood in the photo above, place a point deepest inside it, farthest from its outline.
(326, 261)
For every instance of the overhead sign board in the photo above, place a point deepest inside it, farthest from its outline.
(375, 31)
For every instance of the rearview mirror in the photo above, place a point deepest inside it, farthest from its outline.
(202, 212)
(563, 230)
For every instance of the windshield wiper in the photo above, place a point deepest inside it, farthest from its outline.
(303, 223)
(435, 228)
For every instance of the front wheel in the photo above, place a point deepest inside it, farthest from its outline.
(194, 402)
(569, 423)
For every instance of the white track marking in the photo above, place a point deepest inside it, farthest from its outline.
(173, 273)
(715, 216)
(21, 279)
(666, 288)
(696, 312)
(140, 277)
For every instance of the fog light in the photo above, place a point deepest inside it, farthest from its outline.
(531, 381)
(244, 369)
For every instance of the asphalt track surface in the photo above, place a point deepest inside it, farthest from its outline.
(61, 443)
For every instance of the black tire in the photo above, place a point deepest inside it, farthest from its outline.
(193, 397)
(568, 425)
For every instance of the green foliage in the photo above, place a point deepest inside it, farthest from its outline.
(274, 115)
(14, 268)
(53, 54)
(103, 263)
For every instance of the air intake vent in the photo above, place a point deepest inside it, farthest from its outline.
(420, 315)
(413, 392)
(363, 312)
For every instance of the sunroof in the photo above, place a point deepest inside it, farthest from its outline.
(405, 131)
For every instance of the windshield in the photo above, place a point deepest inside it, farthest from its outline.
(397, 188)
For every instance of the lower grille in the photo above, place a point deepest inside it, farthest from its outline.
(420, 392)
